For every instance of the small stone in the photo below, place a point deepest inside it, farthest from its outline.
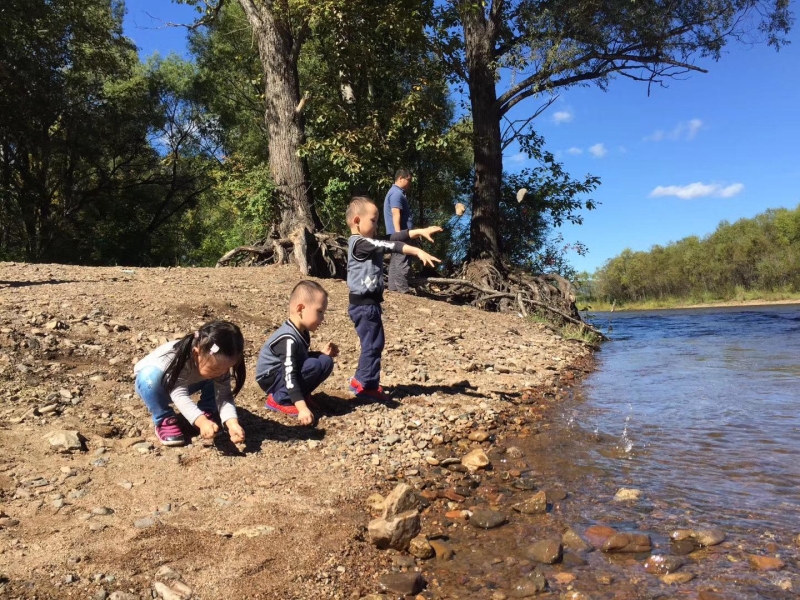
(598, 535)
(536, 504)
(124, 596)
(442, 550)
(626, 494)
(402, 583)
(144, 523)
(565, 578)
(64, 441)
(628, 542)
(102, 511)
(709, 537)
(401, 499)
(662, 564)
(376, 503)
(431, 460)
(677, 578)
(546, 552)
(532, 584)
(478, 436)
(475, 460)
(8, 522)
(765, 563)
(487, 519)
(572, 541)
(313, 444)
(254, 531)
(421, 548)
(97, 526)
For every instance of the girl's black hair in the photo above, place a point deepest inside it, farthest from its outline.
(228, 338)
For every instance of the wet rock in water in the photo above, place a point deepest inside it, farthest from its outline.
(64, 441)
(554, 496)
(574, 595)
(443, 551)
(395, 532)
(546, 552)
(530, 585)
(661, 564)
(709, 537)
(514, 452)
(402, 583)
(573, 560)
(401, 499)
(524, 483)
(711, 595)
(565, 578)
(487, 519)
(683, 547)
(572, 541)
(677, 578)
(475, 460)
(681, 534)
(765, 563)
(626, 494)
(628, 542)
(536, 504)
(598, 535)
(420, 547)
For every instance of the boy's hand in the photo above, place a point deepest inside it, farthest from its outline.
(235, 431)
(429, 231)
(331, 350)
(208, 429)
(426, 258)
(304, 416)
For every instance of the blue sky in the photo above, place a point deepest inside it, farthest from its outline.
(721, 145)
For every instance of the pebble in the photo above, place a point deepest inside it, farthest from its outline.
(531, 585)
(765, 563)
(402, 583)
(677, 578)
(662, 564)
(487, 519)
(442, 550)
(626, 494)
(102, 511)
(545, 552)
(144, 523)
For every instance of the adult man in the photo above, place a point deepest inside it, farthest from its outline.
(397, 216)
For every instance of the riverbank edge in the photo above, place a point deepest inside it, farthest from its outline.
(648, 306)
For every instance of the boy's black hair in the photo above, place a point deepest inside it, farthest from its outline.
(305, 290)
(227, 337)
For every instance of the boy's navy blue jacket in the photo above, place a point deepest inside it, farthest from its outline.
(286, 349)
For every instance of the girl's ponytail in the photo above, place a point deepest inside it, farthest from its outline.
(228, 340)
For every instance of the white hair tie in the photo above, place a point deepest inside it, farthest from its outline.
(214, 349)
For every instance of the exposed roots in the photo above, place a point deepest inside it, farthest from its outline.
(482, 284)
(328, 256)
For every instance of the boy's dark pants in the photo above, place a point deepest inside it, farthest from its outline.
(316, 369)
(399, 268)
(369, 327)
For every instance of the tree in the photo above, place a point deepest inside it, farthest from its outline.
(555, 44)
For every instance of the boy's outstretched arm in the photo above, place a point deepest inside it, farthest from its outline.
(426, 232)
(427, 259)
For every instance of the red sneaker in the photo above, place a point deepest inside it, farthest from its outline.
(169, 432)
(290, 409)
(368, 394)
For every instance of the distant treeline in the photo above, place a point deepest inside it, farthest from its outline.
(759, 254)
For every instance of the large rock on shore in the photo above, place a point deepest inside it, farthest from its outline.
(395, 532)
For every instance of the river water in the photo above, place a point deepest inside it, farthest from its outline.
(697, 409)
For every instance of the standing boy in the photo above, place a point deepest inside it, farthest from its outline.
(365, 280)
(285, 369)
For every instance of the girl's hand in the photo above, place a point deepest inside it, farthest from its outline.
(235, 431)
(208, 429)
(331, 350)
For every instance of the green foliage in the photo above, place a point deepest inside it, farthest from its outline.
(760, 254)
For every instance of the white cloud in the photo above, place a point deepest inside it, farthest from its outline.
(562, 116)
(623, 150)
(575, 151)
(697, 190)
(598, 150)
(519, 157)
(683, 131)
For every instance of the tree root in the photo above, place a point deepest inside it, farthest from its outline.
(483, 285)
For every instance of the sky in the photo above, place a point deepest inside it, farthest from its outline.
(724, 145)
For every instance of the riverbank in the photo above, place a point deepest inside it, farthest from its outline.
(672, 303)
(285, 515)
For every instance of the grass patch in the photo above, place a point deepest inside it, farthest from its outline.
(738, 296)
(570, 331)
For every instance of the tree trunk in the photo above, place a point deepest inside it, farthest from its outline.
(486, 137)
(278, 49)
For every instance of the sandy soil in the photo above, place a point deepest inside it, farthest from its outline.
(283, 517)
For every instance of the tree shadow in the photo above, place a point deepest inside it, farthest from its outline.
(16, 284)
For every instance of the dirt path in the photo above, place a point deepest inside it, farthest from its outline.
(285, 518)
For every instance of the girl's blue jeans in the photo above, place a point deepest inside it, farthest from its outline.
(156, 398)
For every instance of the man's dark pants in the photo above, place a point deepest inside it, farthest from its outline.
(369, 327)
(399, 268)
